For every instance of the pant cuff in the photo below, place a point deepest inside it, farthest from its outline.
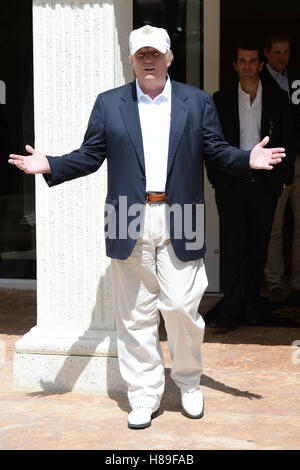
(187, 388)
(147, 403)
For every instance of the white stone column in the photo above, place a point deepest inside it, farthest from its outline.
(80, 50)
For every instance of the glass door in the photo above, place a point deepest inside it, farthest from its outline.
(17, 208)
(183, 21)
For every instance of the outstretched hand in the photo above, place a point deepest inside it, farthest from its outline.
(264, 159)
(32, 164)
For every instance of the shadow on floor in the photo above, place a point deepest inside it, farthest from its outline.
(18, 316)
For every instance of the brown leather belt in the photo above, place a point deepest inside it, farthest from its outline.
(155, 197)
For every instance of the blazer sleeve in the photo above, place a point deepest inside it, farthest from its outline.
(217, 152)
(88, 158)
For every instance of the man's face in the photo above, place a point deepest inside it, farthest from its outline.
(150, 66)
(278, 56)
(248, 64)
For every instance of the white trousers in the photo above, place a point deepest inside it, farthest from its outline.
(274, 269)
(153, 279)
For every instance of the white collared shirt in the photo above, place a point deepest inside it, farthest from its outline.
(250, 118)
(155, 118)
(281, 79)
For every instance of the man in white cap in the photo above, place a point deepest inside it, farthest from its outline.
(154, 133)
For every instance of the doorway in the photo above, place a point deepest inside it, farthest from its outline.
(183, 19)
(255, 20)
(17, 208)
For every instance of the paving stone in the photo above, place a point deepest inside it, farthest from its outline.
(250, 383)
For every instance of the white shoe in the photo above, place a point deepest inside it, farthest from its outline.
(192, 404)
(140, 418)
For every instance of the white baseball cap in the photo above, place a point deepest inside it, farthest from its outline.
(149, 36)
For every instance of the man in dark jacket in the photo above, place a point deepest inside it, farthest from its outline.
(246, 208)
(274, 77)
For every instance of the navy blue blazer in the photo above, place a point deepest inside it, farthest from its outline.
(114, 132)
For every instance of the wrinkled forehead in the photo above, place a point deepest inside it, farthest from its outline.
(145, 50)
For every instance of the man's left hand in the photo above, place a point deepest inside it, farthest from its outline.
(264, 159)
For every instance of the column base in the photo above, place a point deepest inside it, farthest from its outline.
(85, 363)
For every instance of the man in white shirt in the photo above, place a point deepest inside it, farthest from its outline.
(154, 134)
(246, 208)
(155, 117)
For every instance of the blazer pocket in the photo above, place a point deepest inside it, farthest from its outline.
(195, 132)
(198, 200)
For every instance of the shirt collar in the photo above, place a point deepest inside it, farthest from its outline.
(258, 94)
(277, 74)
(165, 94)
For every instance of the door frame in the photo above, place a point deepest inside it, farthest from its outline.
(211, 76)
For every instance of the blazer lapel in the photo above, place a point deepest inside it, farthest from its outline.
(179, 113)
(130, 113)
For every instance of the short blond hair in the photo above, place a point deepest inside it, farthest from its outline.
(170, 55)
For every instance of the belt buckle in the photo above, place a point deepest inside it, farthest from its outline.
(155, 198)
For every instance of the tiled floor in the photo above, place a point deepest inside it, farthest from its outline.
(251, 379)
